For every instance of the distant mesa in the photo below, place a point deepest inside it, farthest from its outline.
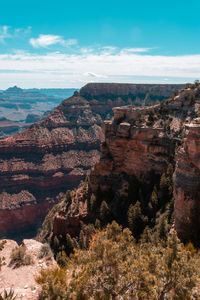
(3, 119)
(32, 118)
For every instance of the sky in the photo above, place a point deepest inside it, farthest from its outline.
(63, 44)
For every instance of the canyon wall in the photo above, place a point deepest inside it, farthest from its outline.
(187, 185)
(139, 145)
(40, 164)
(54, 155)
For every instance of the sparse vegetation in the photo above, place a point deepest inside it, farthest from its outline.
(19, 257)
(45, 251)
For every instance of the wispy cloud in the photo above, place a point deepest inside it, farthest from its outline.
(135, 50)
(19, 32)
(8, 32)
(45, 40)
(4, 33)
(63, 70)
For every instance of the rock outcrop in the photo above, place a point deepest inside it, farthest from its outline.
(53, 155)
(187, 185)
(139, 141)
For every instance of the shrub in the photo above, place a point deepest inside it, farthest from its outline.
(2, 259)
(19, 257)
(53, 283)
(61, 259)
(115, 267)
(45, 251)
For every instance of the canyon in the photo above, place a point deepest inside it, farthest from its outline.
(40, 164)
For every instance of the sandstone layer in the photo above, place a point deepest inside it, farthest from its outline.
(53, 155)
(40, 164)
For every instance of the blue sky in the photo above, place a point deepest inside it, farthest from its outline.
(69, 43)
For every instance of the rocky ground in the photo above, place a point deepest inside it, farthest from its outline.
(21, 279)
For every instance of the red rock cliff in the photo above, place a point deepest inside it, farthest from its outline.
(140, 143)
(187, 185)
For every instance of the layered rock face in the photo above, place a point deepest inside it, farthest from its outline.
(187, 185)
(51, 156)
(139, 144)
(139, 141)
(38, 165)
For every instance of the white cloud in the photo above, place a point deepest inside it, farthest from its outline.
(77, 69)
(135, 50)
(4, 33)
(8, 32)
(45, 40)
(18, 32)
(108, 50)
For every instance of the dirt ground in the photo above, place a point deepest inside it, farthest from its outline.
(22, 279)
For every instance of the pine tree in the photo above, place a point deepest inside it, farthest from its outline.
(105, 214)
(56, 243)
(92, 202)
(153, 202)
(69, 244)
(68, 197)
(97, 224)
(135, 219)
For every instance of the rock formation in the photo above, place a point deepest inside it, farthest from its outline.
(139, 144)
(53, 155)
(38, 165)
(187, 185)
